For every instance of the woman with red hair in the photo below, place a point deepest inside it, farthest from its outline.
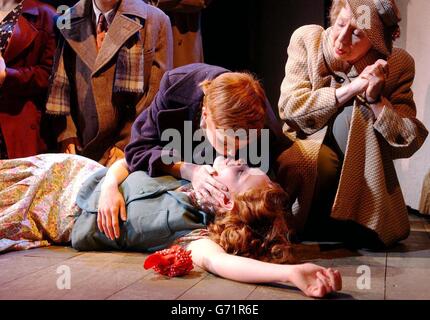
(54, 199)
(213, 101)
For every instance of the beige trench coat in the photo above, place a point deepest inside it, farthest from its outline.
(368, 192)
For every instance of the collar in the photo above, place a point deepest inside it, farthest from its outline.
(136, 8)
(108, 15)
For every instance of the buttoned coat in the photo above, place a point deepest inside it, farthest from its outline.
(91, 73)
(369, 191)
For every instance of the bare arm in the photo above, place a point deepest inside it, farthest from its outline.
(313, 280)
(116, 174)
(346, 93)
(111, 201)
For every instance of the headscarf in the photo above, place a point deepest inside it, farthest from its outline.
(383, 27)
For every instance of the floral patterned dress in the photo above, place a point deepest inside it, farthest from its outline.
(38, 199)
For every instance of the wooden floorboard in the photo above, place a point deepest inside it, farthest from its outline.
(157, 287)
(93, 276)
(402, 272)
(215, 288)
(15, 265)
(277, 292)
(352, 270)
(408, 265)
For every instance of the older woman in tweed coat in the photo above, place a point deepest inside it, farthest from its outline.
(347, 99)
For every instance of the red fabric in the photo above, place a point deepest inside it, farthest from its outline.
(28, 58)
(173, 262)
(21, 133)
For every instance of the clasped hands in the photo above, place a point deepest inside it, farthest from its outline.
(371, 81)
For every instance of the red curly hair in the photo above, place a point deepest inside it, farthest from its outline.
(257, 226)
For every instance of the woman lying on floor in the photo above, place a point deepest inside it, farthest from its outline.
(53, 199)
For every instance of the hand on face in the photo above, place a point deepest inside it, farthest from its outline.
(203, 182)
(237, 176)
(225, 178)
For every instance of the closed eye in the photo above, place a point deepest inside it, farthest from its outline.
(241, 170)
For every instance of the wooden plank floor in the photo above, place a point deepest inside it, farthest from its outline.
(401, 273)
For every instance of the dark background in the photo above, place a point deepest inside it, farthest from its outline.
(254, 35)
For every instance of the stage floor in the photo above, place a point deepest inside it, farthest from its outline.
(401, 273)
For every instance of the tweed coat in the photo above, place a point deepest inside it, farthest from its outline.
(28, 59)
(369, 192)
(106, 117)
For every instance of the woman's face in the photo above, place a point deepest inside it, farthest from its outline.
(350, 43)
(224, 142)
(237, 176)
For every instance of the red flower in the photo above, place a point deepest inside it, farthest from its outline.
(172, 262)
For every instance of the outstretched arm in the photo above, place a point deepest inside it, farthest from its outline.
(313, 280)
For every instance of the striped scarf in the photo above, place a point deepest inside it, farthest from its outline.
(129, 75)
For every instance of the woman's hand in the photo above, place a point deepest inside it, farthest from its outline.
(203, 181)
(359, 85)
(316, 281)
(111, 206)
(2, 70)
(345, 93)
(376, 75)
